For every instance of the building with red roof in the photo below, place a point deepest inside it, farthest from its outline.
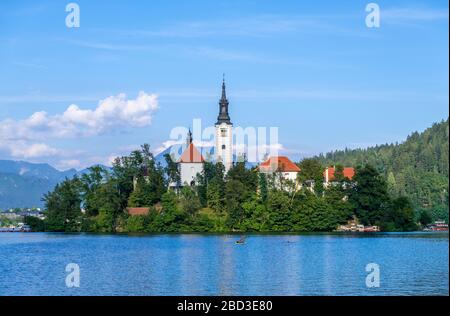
(191, 155)
(278, 164)
(328, 174)
(283, 167)
(136, 211)
(190, 164)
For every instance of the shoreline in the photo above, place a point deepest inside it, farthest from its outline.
(237, 234)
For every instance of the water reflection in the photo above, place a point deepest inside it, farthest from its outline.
(307, 264)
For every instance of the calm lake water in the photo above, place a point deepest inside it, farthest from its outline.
(312, 264)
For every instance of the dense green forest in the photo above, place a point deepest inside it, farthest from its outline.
(399, 187)
(416, 168)
(242, 200)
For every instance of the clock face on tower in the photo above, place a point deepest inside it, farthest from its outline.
(223, 132)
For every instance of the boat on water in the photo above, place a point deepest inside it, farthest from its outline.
(241, 241)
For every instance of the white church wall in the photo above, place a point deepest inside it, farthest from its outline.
(224, 144)
(189, 171)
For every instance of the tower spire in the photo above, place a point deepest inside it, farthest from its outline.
(224, 132)
(189, 137)
(224, 95)
(223, 117)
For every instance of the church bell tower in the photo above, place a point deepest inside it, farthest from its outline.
(224, 133)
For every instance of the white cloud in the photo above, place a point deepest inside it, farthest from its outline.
(112, 112)
(23, 150)
(25, 138)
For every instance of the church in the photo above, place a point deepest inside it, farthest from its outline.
(191, 161)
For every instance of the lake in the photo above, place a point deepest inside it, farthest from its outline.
(199, 264)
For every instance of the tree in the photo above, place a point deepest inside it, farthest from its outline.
(189, 201)
(172, 218)
(279, 207)
(391, 183)
(263, 190)
(313, 213)
(169, 202)
(339, 174)
(417, 168)
(248, 178)
(312, 170)
(215, 195)
(135, 223)
(234, 197)
(139, 196)
(399, 216)
(146, 177)
(90, 184)
(63, 206)
(172, 171)
(256, 216)
(36, 224)
(111, 206)
(246, 200)
(369, 195)
(425, 218)
(212, 174)
(336, 197)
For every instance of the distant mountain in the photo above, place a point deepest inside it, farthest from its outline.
(176, 151)
(22, 184)
(21, 191)
(38, 170)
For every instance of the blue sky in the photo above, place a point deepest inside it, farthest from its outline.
(312, 69)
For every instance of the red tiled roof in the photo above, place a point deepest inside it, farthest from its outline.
(133, 211)
(191, 154)
(348, 172)
(280, 163)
